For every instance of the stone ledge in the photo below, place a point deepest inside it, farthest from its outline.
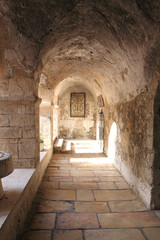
(20, 189)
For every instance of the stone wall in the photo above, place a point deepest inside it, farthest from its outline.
(45, 125)
(134, 144)
(14, 224)
(17, 99)
(77, 127)
(156, 144)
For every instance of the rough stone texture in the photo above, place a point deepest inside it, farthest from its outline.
(15, 221)
(128, 220)
(110, 47)
(76, 127)
(68, 235)
(17, 100)
(45, 125)
(134, 143)
(121, 234)
(77, 220)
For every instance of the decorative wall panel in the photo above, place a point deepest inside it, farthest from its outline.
(77, 105)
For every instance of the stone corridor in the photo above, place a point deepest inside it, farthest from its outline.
(84, 197)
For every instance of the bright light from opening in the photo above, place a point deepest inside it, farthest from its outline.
(111, 143)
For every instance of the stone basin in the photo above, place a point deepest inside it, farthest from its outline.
(6, 168)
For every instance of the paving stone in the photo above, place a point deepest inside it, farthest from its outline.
(55, 206)
(47, 184)
(58, 156)
(59, 165)
(77, 221)
(81, 173)
(74, 185)
(68, 168)
(122, 185)
(157, 213)
(106, 173)
(96, 168)
(86, 179)
(39, 235)
(111, 195)
(60, 179)
(85, 195)
(107, 185)
(112, 179)
(116, 234)
(127, 206)
(91, 207)
(49, 194)
(58, 173)
(58, 161)
(43, 221)
(128, 220)
(67, 235)
(152, 233)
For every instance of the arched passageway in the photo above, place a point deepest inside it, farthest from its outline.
(51, 49)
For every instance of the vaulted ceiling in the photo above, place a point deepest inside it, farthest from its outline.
(112, 45)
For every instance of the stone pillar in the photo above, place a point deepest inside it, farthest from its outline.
(100, 132)
(46, 124)
(18, 133)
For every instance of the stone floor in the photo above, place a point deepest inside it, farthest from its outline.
(83, 197)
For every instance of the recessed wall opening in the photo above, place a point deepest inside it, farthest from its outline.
(112, 143)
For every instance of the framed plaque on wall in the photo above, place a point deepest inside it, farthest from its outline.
(77, 105)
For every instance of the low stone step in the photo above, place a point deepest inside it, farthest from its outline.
(67, 147)
(58, 145)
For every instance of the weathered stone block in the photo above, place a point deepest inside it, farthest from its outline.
(13, 150)
(29, 109)
(24, 163)
(10, 132)
(16, 120)
(28, 132)
(4, 121)
(29, 121)
(26, 148)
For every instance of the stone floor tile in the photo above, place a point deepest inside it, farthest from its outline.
(85, 195)
(107, 185)
(152, 233)
(68, 168)
(43, 221)
(86, 179)
(58, 173)
(106, 173)
(111, 195)
(157, 213)
(127, 206)
(67, 235)
(112, 179)
(77, 221)
(39, 235)
(59, 165)
(55, 206)
(60, 179)
(116, 234)
(128, 220)
(81, 173)
(58, 156)
(91, 207)
(49, 194)
(75, 185)
(122, 185)
(96, 168)
(47, 184)
(58, 161)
